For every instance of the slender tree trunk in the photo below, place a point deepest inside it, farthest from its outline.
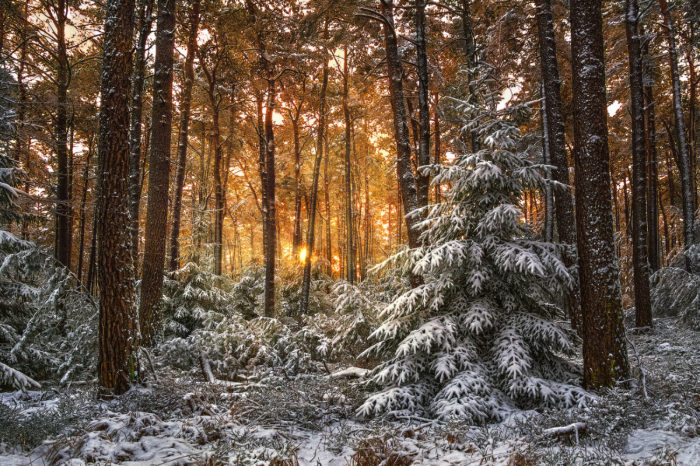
(350, 219)
(159, 173)
(63, 205)
(327, 205)
(652, 164)
(296, 239)
(548, 195)
(117, 323)
(269, 203)
(563, 199)
(218, 192)
(640, 261)
(422, 181)
(437, 148)
(407, 181)
(137, 84)
(83, 201)
(471, 54)
(185, 100)
(92, 258)
(683, 154)
(311, 210)
(604, 349)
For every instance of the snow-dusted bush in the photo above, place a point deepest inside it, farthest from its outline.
(675, 292)
(211, 317)
(479, 336)
(48, 326)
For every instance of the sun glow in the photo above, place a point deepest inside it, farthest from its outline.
(302, 255)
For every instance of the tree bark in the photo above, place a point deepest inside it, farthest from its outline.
(268, 201)
(548, 232)
(350, 222)
(64, 228)
(640, 261)
(159, 173)
(652, 162)
(117, 323)
(563, 198)
(437, 148)
(407, 181)
(137, 84)
(471, 55)
(185, 101)
(684, 164)
(422, 180)
(310, 229)
(604, 349)
(83, 201)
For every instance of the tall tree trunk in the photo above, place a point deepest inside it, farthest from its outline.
(640, 261)
(471, 54)
(422, 180)
(83, 201)
(350, 219)
(563, 199)
(311, 210)
(437, 149)
(683, 154)
(159, 173)
(296, 238)
(547, 158)
(652, 162)
(137, 84)
(327, 205)
(185, 100)
(117, 326)
(269, 203)
(218, 193)
(63, 205)
(407, 181)
(92, 258)
(604, 349)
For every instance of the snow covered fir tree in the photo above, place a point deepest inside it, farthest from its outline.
(365, 232)
(483, 334)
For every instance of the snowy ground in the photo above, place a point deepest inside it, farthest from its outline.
(310, 420)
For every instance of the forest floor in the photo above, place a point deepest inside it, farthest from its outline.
(310, 419)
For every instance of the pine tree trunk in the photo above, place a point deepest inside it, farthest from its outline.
(64, 229)
(684, 164)
(422, 181)
(117, 323)
(350, 219)
(83, 201)
(218, 190)
(138, 78)
(437, 148)
(185, 100)
(327, 205)
(563, 199)
(652, 163)
(159, 173)
(296, 238)
(470, 52)
(311, 210)
(640, 261)
(407, 181)
(548, 195)
(604, 349)
(268, 200)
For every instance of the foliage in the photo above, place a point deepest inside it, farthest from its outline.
(47, 325)
(478, 337)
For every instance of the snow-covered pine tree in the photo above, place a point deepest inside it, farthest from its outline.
(479, 338)
(36, 341)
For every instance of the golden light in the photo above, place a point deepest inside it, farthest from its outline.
(302, 255)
